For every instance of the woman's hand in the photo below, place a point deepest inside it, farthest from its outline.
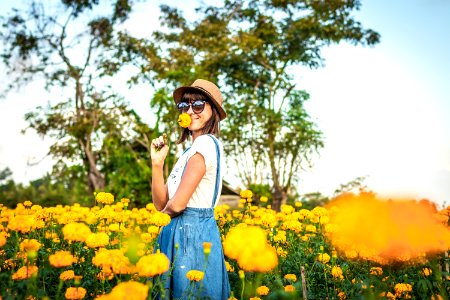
(158, 151)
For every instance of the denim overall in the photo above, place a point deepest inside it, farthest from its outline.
(189, 230)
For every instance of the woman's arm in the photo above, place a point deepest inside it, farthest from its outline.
(159, 189)
(195, 170)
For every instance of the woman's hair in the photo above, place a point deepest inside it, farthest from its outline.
(211, 126)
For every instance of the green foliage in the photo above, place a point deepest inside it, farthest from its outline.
(251, 48)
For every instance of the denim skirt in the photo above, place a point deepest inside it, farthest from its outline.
(182, 241)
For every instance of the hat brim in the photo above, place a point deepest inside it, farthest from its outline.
(178, 95)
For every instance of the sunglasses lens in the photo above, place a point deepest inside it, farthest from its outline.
(198, 106)
(182, 107)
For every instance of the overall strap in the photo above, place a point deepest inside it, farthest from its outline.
(216, 188)
(184, 169)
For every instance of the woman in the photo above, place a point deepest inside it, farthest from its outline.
(192, 190)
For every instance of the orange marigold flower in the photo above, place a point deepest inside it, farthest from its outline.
(376, 271)
(28, 203)
(401, 288)
(195, 275)
(22, 223)
(76, 232)
(152, 265)
(291, 277)
(25, 272)
(289, 288)
(127, 290)
(3, 236)
(67, 275)
(75, 293)
(262, 290)
(30, 245)
(207, 247)
(61, 259)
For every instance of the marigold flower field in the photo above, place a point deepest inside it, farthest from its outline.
(108, 251)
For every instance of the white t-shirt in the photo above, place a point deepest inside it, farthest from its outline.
(203, 195)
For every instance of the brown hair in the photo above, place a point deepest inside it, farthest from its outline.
(211, 126)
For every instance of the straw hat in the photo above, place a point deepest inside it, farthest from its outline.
(206, 87)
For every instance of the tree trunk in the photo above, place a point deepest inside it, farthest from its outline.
(96, 180)
(279, 197)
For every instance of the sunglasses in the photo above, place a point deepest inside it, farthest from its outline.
(197, 106)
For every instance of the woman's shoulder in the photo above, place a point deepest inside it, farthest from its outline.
(207, 141)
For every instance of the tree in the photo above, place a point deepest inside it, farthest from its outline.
(47, 45)
(251, 48)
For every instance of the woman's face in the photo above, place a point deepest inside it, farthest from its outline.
(199, 120)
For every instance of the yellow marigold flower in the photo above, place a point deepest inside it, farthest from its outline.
(125, 200)
(184, 120)
(229, 267)
(159, 219)
(323, 258)
(61, 259)
(298, 204)
(96, 240)
(263, 199)
(207, 247)
(25, 273)
(76, 232)
(320, 211)
(127, 290)
(342, 296)
(376, 271)
(113, 227)
(263, 290)
(241, 274)
(153, 230)
(291, 277)
(152, 265)
(289, 288)
(195, 275)
(104, 198)
(436, 297)
(246, 194)
(67, 275)
(74, 293)
(255, 298)
(27, 203)
(112, 261)
(241, 238)
(336, 271)
(30, 245)
(311, 228)
(22, 223)
(264, 260)
(427, 271)
(287, 209)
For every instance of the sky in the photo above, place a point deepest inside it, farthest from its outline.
(384, 110)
